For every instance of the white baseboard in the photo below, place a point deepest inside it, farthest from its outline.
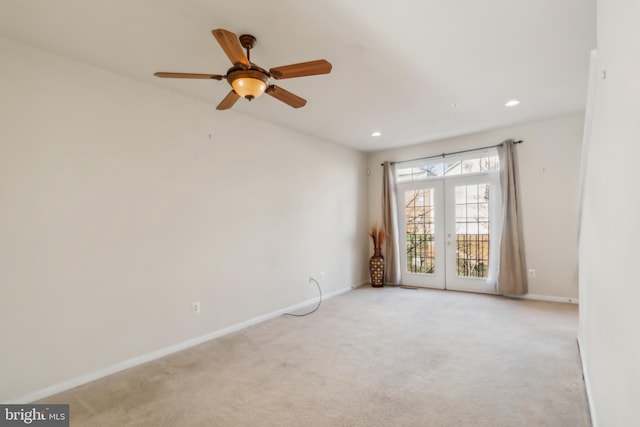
(356, 286)
(148, 357)
(587, 385)
(569, 300)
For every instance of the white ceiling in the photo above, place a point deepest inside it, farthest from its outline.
(399, 66)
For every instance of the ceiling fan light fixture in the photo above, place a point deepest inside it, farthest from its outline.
(248, 84)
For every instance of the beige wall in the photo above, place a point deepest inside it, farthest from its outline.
(122, 203)
(610, 230)
(549, 161)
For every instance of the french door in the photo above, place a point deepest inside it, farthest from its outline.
(422, 233)
(447, 233)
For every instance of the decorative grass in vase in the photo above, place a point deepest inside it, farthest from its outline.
(376, 262)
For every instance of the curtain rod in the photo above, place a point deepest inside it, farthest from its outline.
(452, 153)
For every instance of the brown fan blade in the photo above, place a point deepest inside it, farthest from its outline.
(228, 101)
(285, 96)
(188, 76)
(302, 69)
(231, 45)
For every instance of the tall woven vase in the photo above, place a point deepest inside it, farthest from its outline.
(376, 269)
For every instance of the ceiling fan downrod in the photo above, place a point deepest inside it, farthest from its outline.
(248, 42)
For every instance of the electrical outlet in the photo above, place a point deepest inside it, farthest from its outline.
(532, 272)
(322, 275)
(195, 307)
(311, 278)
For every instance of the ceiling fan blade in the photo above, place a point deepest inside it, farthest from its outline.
(302, 69)
(228, 101)
(285, 96)
(188, 76)
(231, 45)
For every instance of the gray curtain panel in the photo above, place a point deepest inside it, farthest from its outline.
(512, 278)
(391, 249)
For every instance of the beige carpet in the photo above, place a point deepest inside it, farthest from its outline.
(371, 357)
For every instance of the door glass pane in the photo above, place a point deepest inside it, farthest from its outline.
(419, 216)
(472, 230)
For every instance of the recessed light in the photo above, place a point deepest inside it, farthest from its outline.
(376, 134)
(512, 103)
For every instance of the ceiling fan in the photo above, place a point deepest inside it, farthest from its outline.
(247, 79)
